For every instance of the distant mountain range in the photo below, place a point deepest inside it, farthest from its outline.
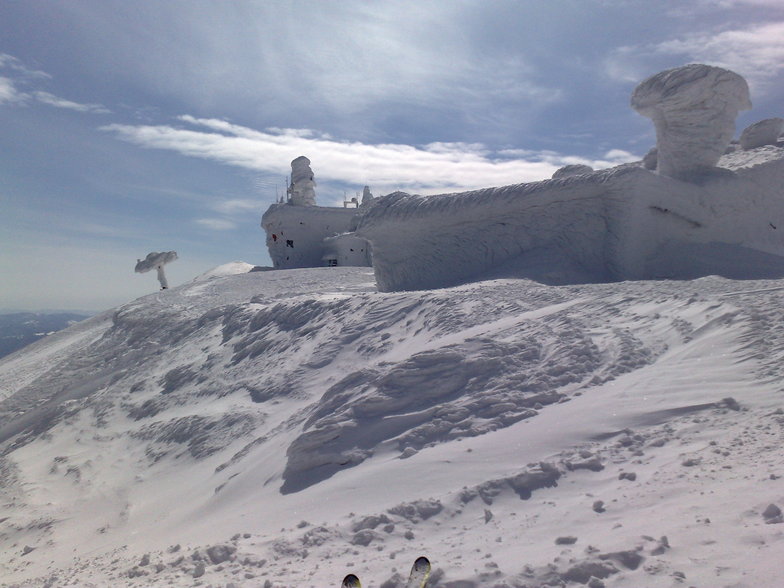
(19, 329)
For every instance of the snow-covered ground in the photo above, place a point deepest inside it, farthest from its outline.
(284, 428)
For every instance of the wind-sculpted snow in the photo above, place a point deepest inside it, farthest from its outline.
(467, 383)
(618, 224)
(694, 108)
(436, 241)
(284, 426)
(761, 133)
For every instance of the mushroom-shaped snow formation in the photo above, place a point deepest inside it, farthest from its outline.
(576, 169)
(764, 132)
(302, 184)
(157, 261)
(694, 109)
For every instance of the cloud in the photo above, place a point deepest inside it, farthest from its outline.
(10, 92)
(237, 206)
(216, 224)
(52, 100)
(429, 168)
(755, 52)
(713, 4)
(19, 68)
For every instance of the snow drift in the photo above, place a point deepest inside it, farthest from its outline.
(282, 428)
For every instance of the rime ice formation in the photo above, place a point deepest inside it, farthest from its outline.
(346, 249)
(295, 234)
(694, 109)
(610, 225)
(367, 197)
(699, 213)
(651, 159)
(156, 260)
(572, 170)
(764, 132)
(301, 234)
(618, 224)
(302, 189)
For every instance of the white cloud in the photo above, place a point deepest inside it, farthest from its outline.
(713, 4)
(429, 168)
(10, 91)
(216, 224)
(620, 155)
(13, 63)
(52, 100)
(755, 52)
(237, 206)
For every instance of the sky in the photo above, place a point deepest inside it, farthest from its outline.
(131, 127)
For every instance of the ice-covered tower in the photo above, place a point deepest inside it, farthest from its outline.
(302, 189)
(367, 196)
(694, 109)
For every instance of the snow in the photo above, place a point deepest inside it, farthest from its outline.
(226, 269)
(296, 234)
(603, 425)
(617, 224)
(764, 132)
(303, 192)
(367, 196)
(304, 425)
(693, 108)
(575, 169)
(156, 260)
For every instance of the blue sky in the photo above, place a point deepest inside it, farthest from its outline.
(130, 127)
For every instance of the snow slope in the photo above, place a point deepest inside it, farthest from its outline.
(283, 428)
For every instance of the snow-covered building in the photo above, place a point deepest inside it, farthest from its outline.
(693, 207)
(302, 234)
(689, 212)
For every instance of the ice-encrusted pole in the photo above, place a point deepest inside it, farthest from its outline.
(156, 260)
(693, 109)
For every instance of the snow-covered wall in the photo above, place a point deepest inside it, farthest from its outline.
(296, 234)
(347, 250)
(427, 242)
(618, 224)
